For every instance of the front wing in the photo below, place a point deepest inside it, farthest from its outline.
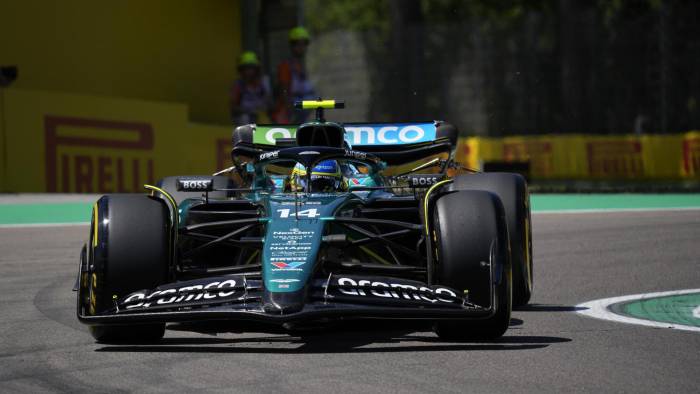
(236, 297)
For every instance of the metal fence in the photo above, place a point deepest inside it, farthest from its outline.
(558, 67)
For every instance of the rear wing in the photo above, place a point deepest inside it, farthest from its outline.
(394, 143)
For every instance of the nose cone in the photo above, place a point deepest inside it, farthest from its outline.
(284, 303)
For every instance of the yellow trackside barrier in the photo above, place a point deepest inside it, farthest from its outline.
(592, 157)
(70, 143)
(691, 155)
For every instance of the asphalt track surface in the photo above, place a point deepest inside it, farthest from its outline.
(549, 348)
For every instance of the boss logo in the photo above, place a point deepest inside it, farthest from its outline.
(423, 180)
(195, 185)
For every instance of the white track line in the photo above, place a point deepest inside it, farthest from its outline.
(599, 309)
(613, 210)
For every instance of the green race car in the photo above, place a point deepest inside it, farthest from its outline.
(316, 223)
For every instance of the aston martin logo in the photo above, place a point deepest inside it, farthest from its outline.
(294, 265)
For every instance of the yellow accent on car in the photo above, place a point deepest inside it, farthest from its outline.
(166, 194)
(313, 104)
(425, 203)
(95, 223)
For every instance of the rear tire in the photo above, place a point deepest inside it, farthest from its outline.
(130, 253)
(471, 230)
(512, 190)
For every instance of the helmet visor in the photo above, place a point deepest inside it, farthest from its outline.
(319, 184)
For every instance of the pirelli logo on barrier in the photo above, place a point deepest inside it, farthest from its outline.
(538, 153)
(691, 156)
(223, 153)
(615, 159)
(97, 156)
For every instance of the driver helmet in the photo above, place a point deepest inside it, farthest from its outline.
(325, 178)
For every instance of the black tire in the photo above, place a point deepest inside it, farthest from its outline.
(470, 230)
(512, 190)
(169, 184)
(130, 253)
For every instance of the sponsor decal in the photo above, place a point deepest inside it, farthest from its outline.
(284, 266)
(284, 280)
(293, 232)
(289, 250)
(691, 155)
(188, 293)
(223, 152)
(359, 134)
(268, 135)
(97, 156)
(615, 159)
(537, 153)
(269, 155)
(284, 283)
(299, 203)
(355, 154)
(195, 185)
(423, 180)
(390, 134)
(373, 288)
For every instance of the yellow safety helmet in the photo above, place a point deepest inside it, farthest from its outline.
(299, 33)
(248, 58)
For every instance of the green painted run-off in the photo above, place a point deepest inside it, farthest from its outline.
(69, 212)
(674, 309)
(79, 212)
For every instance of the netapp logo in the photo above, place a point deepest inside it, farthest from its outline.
(359, 288)
(183, 294)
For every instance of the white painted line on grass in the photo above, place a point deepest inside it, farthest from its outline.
(599, 309)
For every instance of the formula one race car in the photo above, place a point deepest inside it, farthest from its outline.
(314, 224)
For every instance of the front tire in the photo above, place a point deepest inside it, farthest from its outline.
(471, 236)
(513, 192)
(128, 251)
